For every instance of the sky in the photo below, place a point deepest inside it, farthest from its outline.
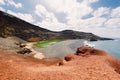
(101, 17)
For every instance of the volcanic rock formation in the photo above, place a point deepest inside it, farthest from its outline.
(93, 65)
(13, 26)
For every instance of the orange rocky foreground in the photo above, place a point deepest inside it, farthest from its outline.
(86, 64)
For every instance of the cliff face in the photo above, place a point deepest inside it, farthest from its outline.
(12, 26)
(79, 35)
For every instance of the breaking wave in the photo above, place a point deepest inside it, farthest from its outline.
(87, 43)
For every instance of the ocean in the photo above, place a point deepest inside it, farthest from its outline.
(110, 46)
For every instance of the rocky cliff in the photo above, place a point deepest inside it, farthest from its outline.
(13, 26)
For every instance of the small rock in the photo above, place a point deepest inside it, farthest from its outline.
(69, 57)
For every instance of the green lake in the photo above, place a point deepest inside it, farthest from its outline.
(43, 44)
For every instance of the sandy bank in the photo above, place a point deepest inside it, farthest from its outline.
(86, 64)
(61, 49)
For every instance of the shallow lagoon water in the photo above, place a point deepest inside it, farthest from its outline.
(44, 44)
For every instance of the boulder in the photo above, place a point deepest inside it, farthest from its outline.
(69, 57)
(86, 50)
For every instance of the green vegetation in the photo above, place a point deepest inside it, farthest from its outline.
(47, 43)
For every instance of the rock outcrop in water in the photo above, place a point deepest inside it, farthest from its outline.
(13, 26)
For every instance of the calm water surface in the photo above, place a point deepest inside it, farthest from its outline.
(110, 46)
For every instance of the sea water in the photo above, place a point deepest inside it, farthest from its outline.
(110, 46)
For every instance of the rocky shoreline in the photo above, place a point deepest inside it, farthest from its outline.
(85, 64)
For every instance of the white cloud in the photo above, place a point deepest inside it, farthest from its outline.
(113, 23)
(72, 8)
(42, 12)
(104, 32)
(23, 16)
(74, 11)
(93, 22)
(17, 5)
(101, 11)
(100, 21)
(92, 1)
(52, 26)
(49, 20)
(2, 9)
(115, 13)
(2, 2)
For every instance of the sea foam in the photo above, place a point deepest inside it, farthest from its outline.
(88, 44)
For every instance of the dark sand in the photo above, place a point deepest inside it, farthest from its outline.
(61, 49)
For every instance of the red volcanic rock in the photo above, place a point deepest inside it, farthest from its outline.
(115, 64)
(62, 62)
(85, 50)
(94, 67)
(69, 57)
